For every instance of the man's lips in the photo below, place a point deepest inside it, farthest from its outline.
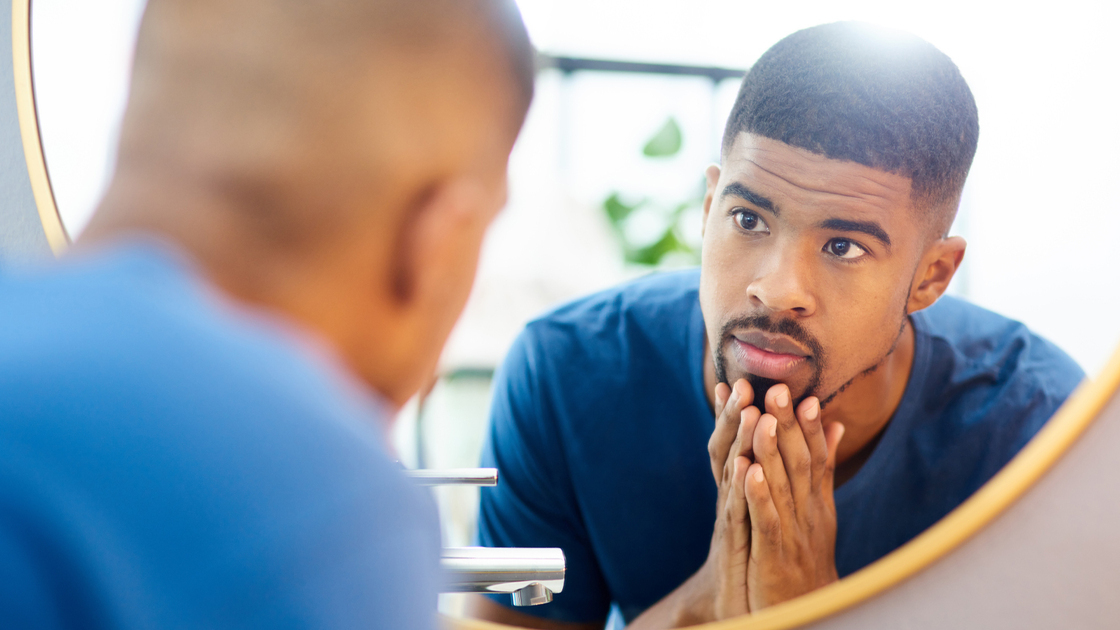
(775, 344)
(769, 356)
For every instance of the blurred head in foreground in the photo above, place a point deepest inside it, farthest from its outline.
(826, 223)
(337, 161)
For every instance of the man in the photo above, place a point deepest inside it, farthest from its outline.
(852, 407)
(196, 401)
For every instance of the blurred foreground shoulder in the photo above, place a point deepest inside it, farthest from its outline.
(168, 460)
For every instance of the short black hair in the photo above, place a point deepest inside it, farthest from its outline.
(879, 97)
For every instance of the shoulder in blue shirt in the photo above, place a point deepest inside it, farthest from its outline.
(169, 459)
(600, 424)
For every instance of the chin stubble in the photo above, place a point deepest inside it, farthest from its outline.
(875, 366)
(794, 330)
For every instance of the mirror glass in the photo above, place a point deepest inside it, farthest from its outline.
(80, 57)
(1038, 210)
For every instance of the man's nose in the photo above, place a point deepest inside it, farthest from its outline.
(783, 282)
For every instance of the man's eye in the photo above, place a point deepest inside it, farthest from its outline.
(750, 221)
(843, 248)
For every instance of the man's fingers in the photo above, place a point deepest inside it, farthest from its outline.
(738, 538)
(809, 416)
(742, 446)
(722, 433)
(834, 432)
(766, 522)
(722, 393)
(731, 545)
(791, 443)
(748, 421)
(747, 392)
(766, 453)
(727, 423)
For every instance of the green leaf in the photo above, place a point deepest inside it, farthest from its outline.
(666, 142)
(617, 210)
(652, 254)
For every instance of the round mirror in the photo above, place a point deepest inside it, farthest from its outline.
(1037, 209)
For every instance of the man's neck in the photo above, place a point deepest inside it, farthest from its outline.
(868, 403)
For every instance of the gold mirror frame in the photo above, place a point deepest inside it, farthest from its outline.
(57, 236)
(990, 501)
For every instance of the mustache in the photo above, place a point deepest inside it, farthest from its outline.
(788, 327)
(765, 323)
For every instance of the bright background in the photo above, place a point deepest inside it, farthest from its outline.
(1039, 211)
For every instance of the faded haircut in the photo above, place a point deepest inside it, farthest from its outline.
(878, 97)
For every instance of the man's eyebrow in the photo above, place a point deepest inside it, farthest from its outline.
(741, 191)
(870, 228)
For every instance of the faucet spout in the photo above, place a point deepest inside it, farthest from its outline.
(532, 576)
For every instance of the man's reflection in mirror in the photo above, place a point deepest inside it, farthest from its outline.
(707, 443)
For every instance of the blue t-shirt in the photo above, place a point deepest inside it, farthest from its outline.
(171, 460)
(600, 424)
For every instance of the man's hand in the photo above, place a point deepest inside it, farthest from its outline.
(719, 589)
(789, 492)
(729, 450)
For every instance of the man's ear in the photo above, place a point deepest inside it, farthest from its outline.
(938, 266)
(437, 232)
(421, 288)
(711, 174)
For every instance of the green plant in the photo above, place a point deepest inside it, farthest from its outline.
(668, 242)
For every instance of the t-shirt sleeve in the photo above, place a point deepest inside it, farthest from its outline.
(1044, 377)
(534, 503)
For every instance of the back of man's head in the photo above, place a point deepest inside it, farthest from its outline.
(337, 161)
(281, 98)
(879, 97)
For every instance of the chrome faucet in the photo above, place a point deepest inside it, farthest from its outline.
(531, 576)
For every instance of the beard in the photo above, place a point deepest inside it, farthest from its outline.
(787, 327)
(795, 331)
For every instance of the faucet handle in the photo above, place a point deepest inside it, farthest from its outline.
(455, 476)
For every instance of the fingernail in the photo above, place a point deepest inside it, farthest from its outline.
(782, 399)
(813, 410)
(758, 474)
(774, 428)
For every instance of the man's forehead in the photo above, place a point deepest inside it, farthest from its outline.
(802, 177)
